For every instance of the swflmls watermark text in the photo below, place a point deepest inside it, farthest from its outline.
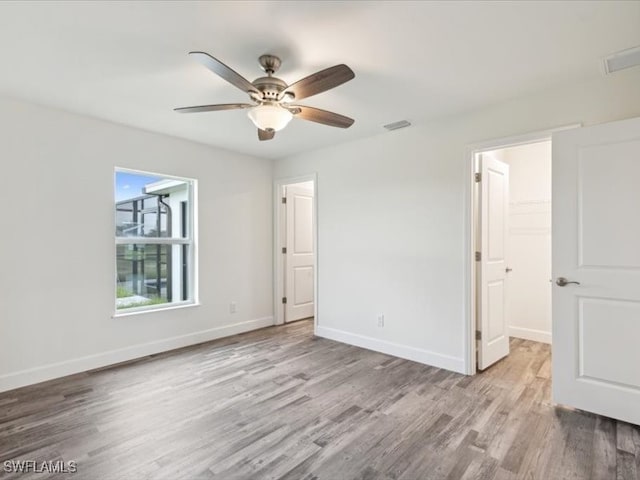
(32, 466)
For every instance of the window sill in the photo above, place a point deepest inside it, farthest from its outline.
(143, 310)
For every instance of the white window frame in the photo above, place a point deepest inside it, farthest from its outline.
(190, 239)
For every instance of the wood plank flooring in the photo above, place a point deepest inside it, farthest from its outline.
(279, 403)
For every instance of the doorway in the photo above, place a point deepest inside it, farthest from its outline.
(595, 266)
(509, 267)
(528, 240)
(295, 255)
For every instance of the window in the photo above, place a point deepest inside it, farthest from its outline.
(154, 241)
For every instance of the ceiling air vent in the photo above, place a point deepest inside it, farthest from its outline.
(397, 125)
(621, 60)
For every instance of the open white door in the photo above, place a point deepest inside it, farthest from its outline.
(299, 257)
(596, 242)
(494, 204)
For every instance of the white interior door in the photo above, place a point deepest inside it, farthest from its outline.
(596, 242)
(494, 205)
(299, 256)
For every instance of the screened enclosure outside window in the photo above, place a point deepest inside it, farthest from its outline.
(154, 241)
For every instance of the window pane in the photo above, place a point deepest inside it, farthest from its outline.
(144, 217)
(149, 206)
(151, 275)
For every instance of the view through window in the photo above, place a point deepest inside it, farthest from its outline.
(154, 240)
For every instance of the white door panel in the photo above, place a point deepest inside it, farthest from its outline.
(496, 195)
(303, 285)
(299, 258)
(495, 310)
(302, 223)
(494, 202)
(620, 363)
(608, 195)
(596, 241)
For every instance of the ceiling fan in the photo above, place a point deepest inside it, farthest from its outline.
(273, 109)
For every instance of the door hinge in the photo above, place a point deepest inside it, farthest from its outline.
(284, 199)
(478, 256)
(478, 177)
(478, 335)
(284, 249)
(284, 299)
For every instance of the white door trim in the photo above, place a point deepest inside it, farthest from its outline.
(469, 264)
(278, 271)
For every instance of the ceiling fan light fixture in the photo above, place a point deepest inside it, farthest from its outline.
(270, 117)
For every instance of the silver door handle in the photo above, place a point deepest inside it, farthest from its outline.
(507, 270)
(561, 282)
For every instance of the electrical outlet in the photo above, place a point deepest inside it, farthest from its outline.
(381, 320)
(233, 306)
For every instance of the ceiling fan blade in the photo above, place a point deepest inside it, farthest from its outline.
(320, 81)
(212, 108)
(321, 116)
(266, 134)
(220, 69)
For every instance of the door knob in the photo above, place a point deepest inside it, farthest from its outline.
(507, 270)
(561, 282)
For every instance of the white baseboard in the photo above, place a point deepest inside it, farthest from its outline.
(530, 334)
(397, 350)
(30, 376)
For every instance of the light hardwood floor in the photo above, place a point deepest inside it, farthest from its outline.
(279, 403)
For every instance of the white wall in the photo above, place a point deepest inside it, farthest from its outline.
(57, 282)
(392, 218)
(529, 241)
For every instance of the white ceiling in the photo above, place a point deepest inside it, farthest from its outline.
(127, 61)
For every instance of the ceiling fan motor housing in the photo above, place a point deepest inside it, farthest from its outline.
(269, 87)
